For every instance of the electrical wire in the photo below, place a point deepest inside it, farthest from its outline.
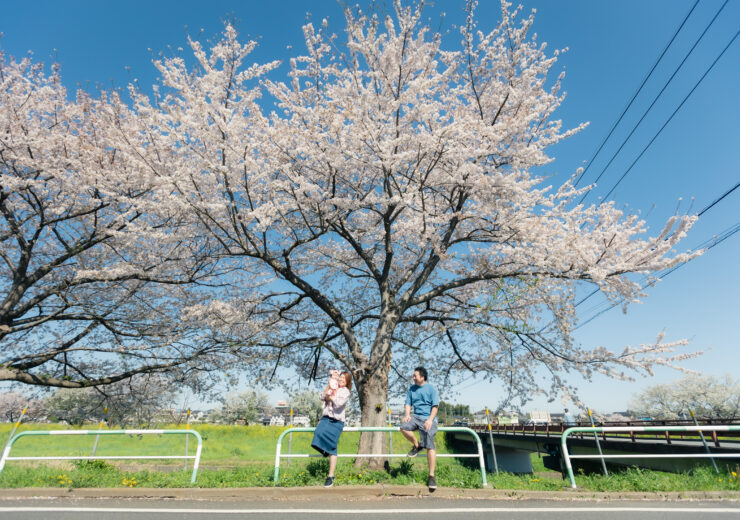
(671, 117)
(634, 96)
(655, 100)
(718, 199)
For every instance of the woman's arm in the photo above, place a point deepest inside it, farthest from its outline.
(340, 398)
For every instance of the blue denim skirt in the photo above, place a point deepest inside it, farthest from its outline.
(326, 436)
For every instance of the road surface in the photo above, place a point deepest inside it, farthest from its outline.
(406, 508)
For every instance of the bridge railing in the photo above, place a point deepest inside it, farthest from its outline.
(628, 429)
(636, 427)
(43, 433)
(479, 454)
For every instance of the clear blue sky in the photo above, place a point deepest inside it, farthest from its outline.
(612, 45)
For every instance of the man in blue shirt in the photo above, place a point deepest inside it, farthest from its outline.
(424, 399)
(568, 419)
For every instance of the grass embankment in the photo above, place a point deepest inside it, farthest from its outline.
(238, 456)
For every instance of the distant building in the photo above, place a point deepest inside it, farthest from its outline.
(277, 420)
(539, 417)
(479, 417)
(301, 420)
(508, 418)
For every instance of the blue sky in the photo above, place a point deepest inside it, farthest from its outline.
(612, 46)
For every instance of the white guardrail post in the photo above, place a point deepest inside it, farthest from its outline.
(6, 452)
(627, 429)
(479, 454)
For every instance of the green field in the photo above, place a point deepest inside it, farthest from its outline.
(239, 456)
(231, 446)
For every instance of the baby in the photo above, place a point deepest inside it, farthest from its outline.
(333, 382)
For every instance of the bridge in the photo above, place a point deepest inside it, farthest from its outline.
(514, 445)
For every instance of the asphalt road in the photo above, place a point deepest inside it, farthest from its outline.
(426, 508)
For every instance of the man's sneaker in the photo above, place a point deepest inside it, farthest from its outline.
(431, 483)
(329, 482)
(414, 451)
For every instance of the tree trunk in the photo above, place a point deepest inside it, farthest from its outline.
(373, 395)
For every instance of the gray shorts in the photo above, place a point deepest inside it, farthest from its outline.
(426, 438)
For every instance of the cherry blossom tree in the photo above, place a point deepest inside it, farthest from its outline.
(13, 403)
(91, 287)
(307, 402)
(246, 406)
(380, 209)
(385, 213)
(136, 401)
(705, 395)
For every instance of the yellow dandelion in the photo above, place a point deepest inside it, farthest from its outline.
(734, 474)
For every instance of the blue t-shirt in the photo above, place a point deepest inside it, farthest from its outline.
(422, 399)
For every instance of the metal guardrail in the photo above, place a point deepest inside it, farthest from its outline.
(6, 452)
(556, 429)
(278, 447)
(629, 429)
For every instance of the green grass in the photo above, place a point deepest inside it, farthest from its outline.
(221, 444)
(238, 456)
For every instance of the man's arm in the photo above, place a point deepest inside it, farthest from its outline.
(407, 413)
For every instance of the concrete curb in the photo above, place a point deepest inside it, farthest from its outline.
(357, 493)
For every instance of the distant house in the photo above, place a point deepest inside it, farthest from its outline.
(199, 416)
(479, 417)
(539, 417)
(277, 420)
(508, 418)
(301, 420)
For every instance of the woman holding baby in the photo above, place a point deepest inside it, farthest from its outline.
(326, 436)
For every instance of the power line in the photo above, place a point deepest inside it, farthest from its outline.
(718, 199)
(671, 117)
(655, 100)
(580, 177)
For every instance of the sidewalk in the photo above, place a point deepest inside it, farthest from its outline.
(357, 493)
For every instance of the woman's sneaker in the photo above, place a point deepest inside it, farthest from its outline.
(431, 483)
(329, 482)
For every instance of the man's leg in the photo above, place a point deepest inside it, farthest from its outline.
(432, 459)
(428, 443)
(411, 437)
